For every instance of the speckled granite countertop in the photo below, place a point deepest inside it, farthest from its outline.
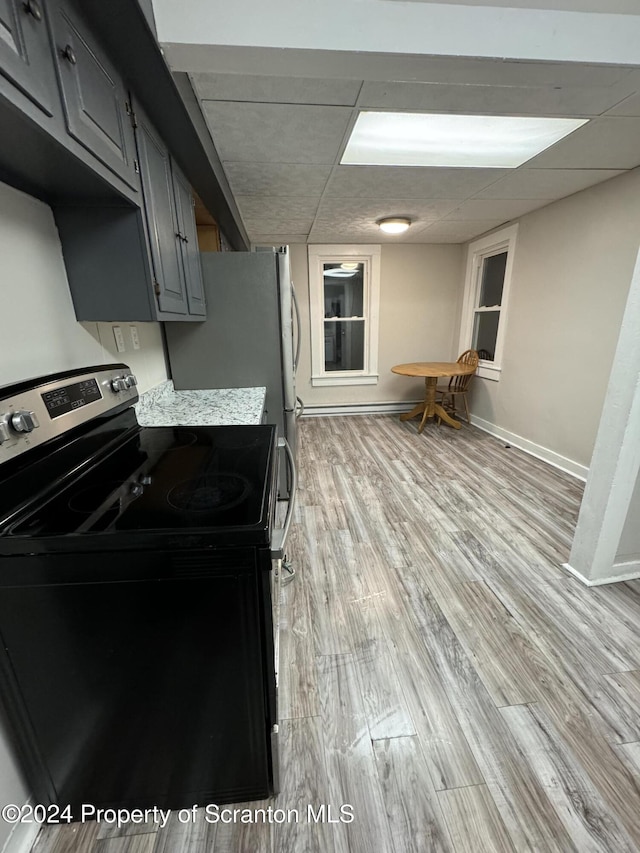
(163, 406)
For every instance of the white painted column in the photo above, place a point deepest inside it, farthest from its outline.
(616, 460)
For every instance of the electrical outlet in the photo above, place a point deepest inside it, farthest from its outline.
(119, 339)
(135, 340)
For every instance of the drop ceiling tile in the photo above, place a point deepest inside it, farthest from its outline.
(276, 179)
(371, 209)
(502, 209)
(604, 143)
(276, 90)
(276, 133)
(338, 237)
(260, 207)
(284, 225)
(500, 72)
(409, 182)
(277, 239)
(446, 231)
(353, 233)
(628, 107)
(501, 100)
(545, 183)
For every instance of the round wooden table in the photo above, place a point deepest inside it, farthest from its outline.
(432, 371)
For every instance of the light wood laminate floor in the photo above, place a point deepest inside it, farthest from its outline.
(440, 673)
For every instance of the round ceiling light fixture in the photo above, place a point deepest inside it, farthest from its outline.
(394, 225)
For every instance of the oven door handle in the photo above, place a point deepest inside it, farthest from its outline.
(279, 537)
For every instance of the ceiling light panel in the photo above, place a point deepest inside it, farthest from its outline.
(426, 139)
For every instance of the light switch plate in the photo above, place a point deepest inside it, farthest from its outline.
(119, 339)
(135, 339)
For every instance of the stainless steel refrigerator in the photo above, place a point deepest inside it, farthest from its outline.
(250, 337)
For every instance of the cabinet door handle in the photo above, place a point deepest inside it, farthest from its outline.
(31, 7)
(69, 55)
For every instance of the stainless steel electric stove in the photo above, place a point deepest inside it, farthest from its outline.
(137, 573)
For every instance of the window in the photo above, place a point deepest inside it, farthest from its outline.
(484, 312)
(344, 285)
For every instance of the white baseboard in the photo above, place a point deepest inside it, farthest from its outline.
(537, 450)
(22, 838)
(631, 572)
(533, 449)
(358, 409)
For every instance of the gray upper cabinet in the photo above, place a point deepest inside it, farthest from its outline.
(160, 208)
(173, 239)
(188, 236)
(25, 55)
(94, 96)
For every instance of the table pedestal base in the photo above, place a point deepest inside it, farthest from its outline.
(429, 408)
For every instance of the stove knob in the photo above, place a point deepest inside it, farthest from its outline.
(24, 421)
(119, 384)
(131, 380)
(137, 489)
(5, 433)
(145, 479)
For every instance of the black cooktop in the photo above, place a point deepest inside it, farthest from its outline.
(211, 482)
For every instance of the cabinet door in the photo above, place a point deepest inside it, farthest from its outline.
(94, 97)
(159, 201)
(189, 243)
(25, 52)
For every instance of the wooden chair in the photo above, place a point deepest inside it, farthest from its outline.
(458, 385)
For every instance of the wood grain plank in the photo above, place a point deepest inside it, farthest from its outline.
(239, 837)
(109, 830)
(449, 759)
(499, 649)
(350, 762)
(618, 701)
(629, 754)
(126, 844)
(410, 801)
(191, 836)
(523, 805)
(298, 682)
(585, 815)
(69, 838)
(474, 823)
(332, 632)
(304, 783)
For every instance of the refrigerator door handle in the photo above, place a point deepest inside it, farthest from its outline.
(279, 537)
(296, 308)
(299, 408)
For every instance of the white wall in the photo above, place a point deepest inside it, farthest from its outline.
(572, 268)
(420, 289)
(38, 329)
(40, 335)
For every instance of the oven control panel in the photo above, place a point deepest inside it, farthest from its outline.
(38, 410)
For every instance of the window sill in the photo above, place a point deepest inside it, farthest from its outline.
(369, 379)
(486, 372)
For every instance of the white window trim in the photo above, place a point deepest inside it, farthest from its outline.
(318, 256)
(504, 239)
